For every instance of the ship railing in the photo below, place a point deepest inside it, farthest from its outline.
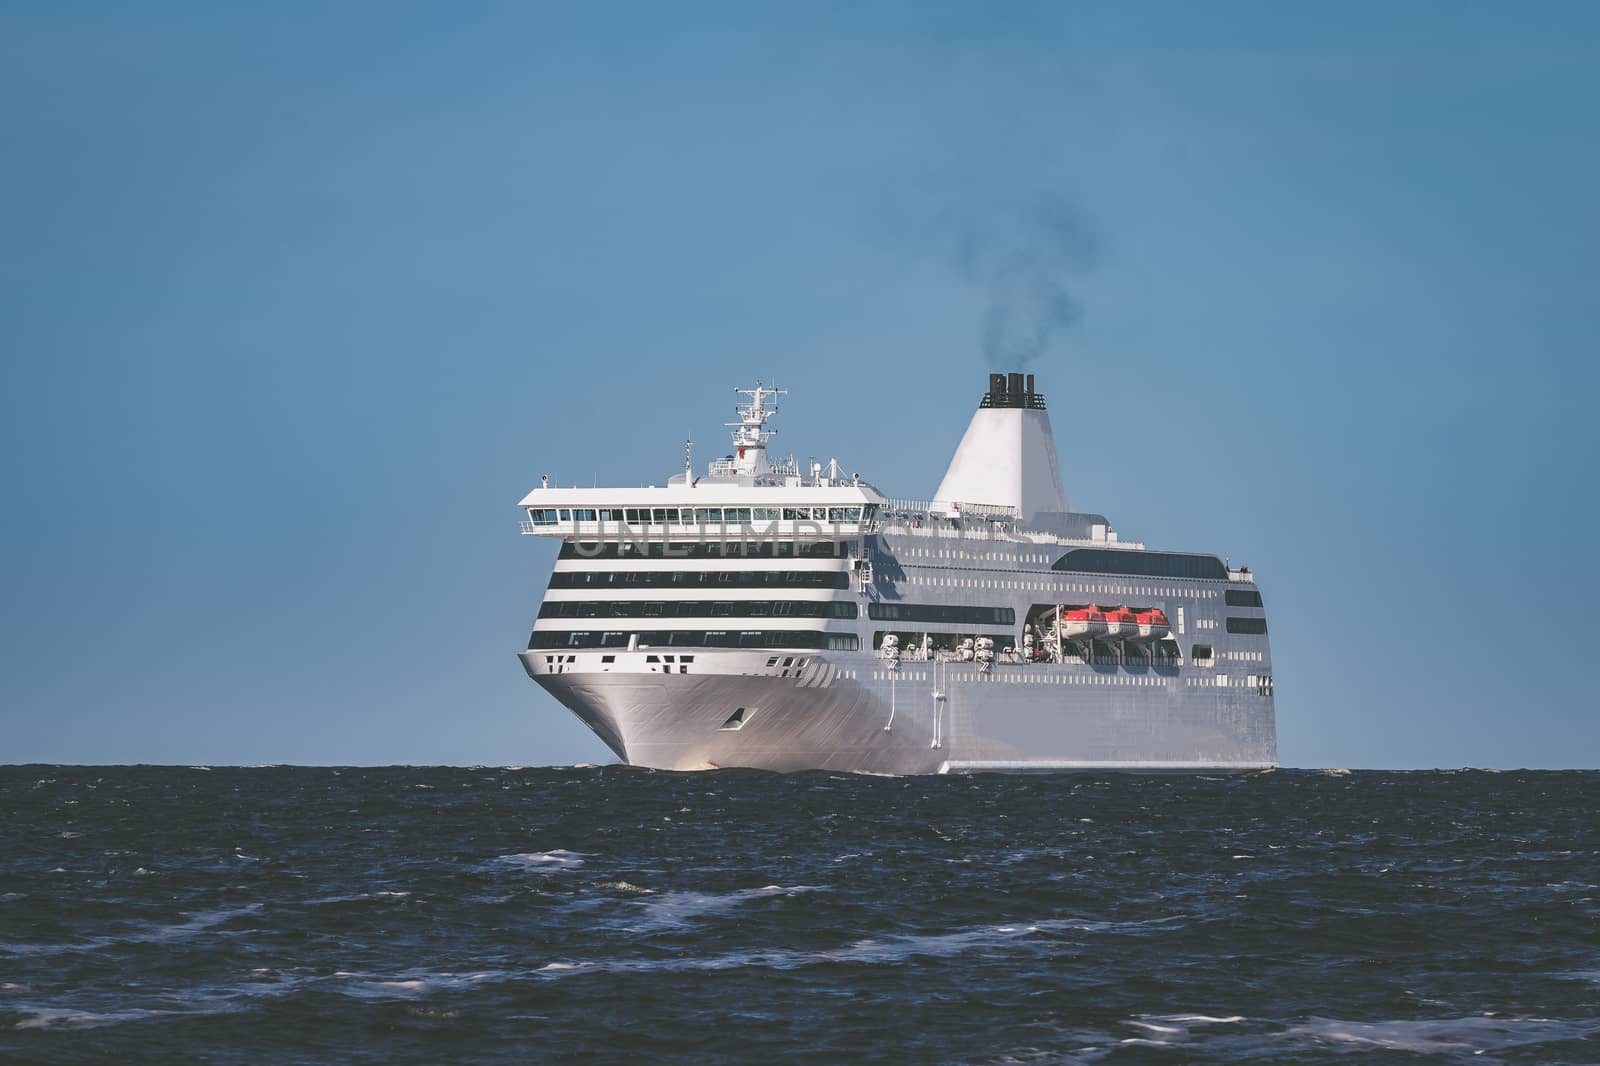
(952, 509)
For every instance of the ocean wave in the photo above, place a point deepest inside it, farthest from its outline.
(678, 908)
(885, 950)
(412, 984)
(1091, 919)
(559, 859)
(64, 1018)
(1476, 1034)
(198, 922)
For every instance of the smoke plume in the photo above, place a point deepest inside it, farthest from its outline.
(1028, 260)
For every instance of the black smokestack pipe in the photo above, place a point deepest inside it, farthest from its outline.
(1014, 387)
(1029, 401)
(997, 390)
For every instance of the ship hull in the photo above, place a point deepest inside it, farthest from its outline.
(850, 713)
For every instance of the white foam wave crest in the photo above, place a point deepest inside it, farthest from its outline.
(668, 909)
(412, 984)
(198, 922)
(60, 1018)
(559, 859)
(358, 897)
(887, 950)
(1474, 1034)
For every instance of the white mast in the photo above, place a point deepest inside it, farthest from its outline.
(750, 434)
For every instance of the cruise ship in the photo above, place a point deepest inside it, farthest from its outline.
(761, 614)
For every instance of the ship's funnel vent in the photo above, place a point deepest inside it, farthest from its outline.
(1012, 390)
(1007, 457)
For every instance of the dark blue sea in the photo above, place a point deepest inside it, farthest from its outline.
(234, 915)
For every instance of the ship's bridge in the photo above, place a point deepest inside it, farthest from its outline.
(691, 512)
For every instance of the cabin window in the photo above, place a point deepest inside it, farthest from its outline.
(1252, 626)
(1242, 598)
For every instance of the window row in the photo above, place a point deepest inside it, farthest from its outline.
(688, 579)
(1056, 585)
(916, 552)
(1243, 598)
(697, 609)
(1142, 563)
(689, 516)
(1255, 626)
(733, 549)
(694, 638)
(935, 612)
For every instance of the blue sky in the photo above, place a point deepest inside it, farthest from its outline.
(296, 303)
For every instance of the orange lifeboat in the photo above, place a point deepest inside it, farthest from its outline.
(1121, 623)
(1082, 622)
(1153, 625)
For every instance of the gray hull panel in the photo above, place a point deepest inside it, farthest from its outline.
(833, 716)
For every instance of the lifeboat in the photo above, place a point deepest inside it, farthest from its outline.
(1082, 622)
(1153, 625)
(1121, 624)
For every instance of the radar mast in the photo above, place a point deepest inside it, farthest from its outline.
(750, 433)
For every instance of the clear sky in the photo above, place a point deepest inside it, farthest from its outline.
(296, 302)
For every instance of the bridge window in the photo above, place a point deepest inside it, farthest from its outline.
(1253, 626)
(1242, 598)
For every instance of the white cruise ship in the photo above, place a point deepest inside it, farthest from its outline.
(764, 615)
